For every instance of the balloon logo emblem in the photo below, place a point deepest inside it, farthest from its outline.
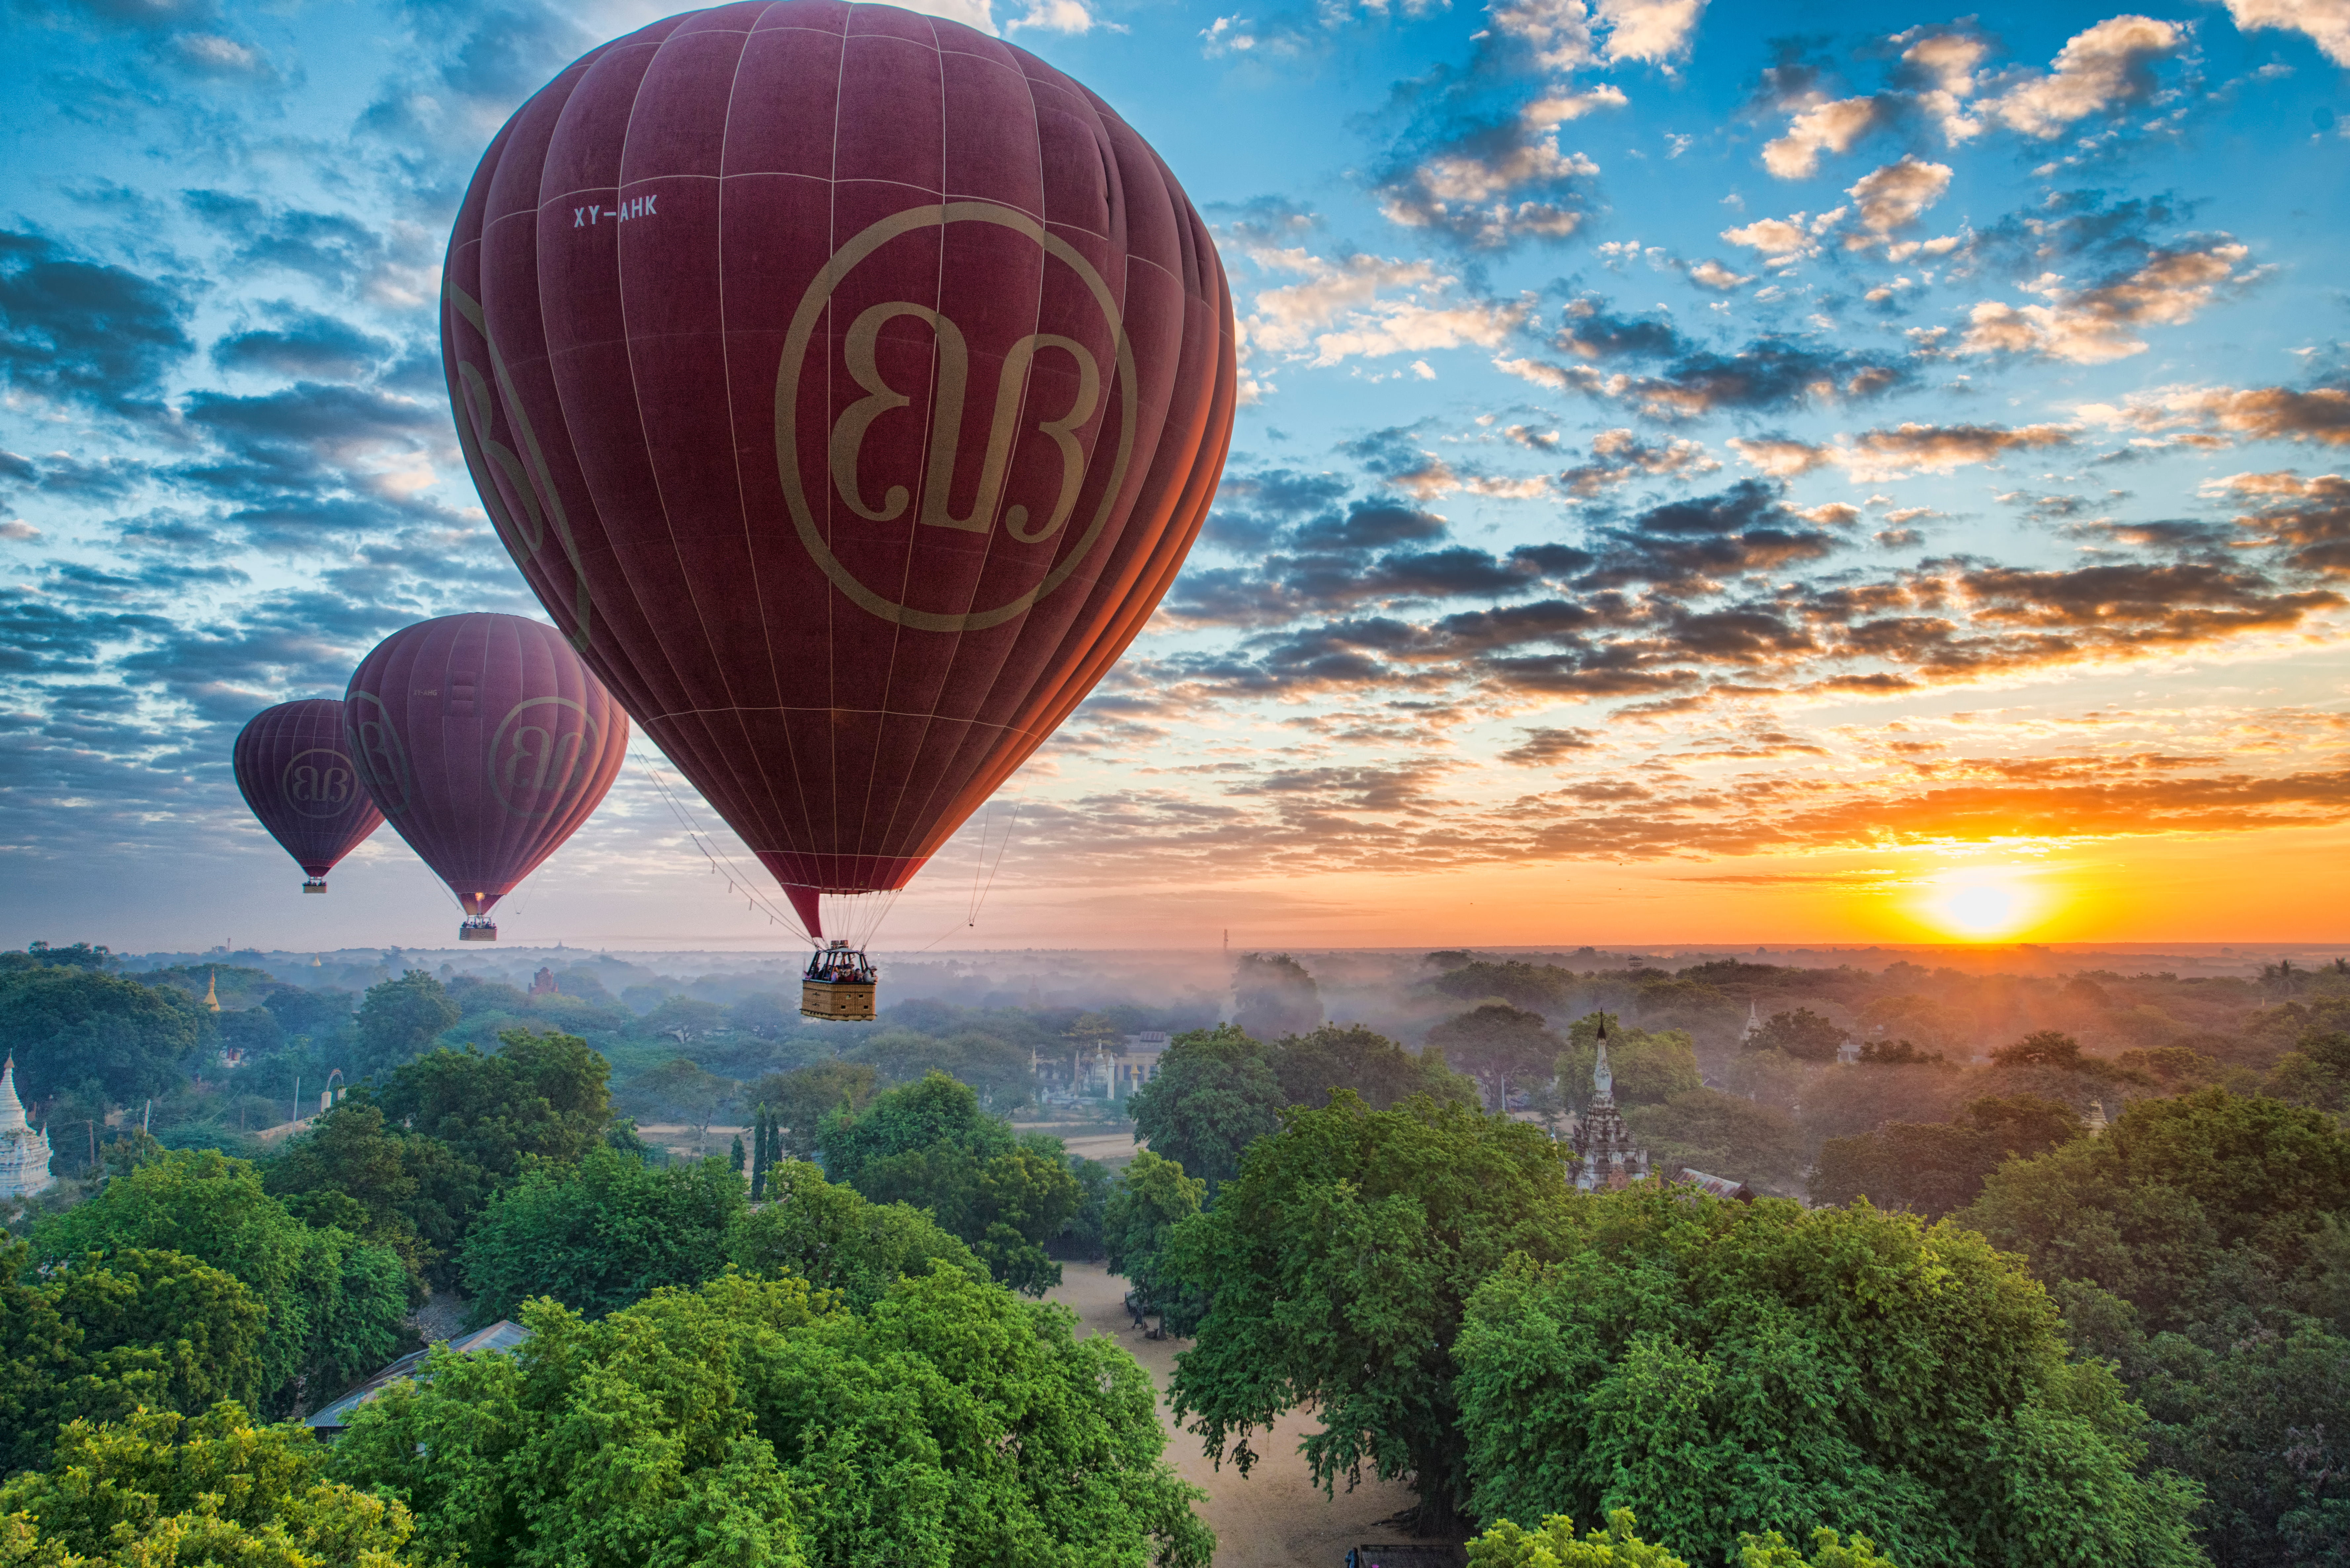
(381, 759)
(535, 757)
(859, 347)
(319, 783)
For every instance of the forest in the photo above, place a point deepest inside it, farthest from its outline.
(2038, 1267)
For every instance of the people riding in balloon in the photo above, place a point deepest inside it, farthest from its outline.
(849, 386)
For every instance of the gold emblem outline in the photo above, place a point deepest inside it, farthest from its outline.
(795, 357)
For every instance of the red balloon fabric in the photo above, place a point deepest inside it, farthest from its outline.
(296, 775)
(849, 386)
(485, 742)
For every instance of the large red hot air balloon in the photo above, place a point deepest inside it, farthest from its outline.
(485, 742)
(296, 775)
(849, 386)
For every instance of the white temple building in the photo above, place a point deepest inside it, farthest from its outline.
(24, 1153)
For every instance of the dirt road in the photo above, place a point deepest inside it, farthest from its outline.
(1276, 1518)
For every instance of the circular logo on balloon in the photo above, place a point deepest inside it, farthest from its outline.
(544, 747)
(382, 760)
(319, 781)
(1037, 374)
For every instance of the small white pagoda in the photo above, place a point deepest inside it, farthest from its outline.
(24, 1153)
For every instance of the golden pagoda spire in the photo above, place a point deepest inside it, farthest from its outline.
(211, 993)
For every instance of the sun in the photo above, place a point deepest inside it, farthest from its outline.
(1982, 903)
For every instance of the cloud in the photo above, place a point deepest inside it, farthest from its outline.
(2327, 21)
(1495, 183)
(1337, 311)
(1546, 747)
(2256, 414)
(1941, 69)
(2308, 518)
(1556, 34)
(1652, 31)
(1896, 453)
(80, 332)
(1836, 127)
(1714, 275)
(1892, 197)
(1043, 16)
(306, 346)
(2093, 325)
(1692, 379)
(2098, 70)
(1619, 456)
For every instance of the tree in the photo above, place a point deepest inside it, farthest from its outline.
(1153, 1196)
(1370, 1066)
(1272, 995)
(1336, 1267)
(322, 1016)
(831, 1236)
(543, 1094)
(1555, 1545)
(1499, 1044)
(1801, 1033)
(683, 1019)
(1721, 1134)
(1934, 1169)
(1649, 1066)
(913, 1118)
(600, 1234)
(745, 1421)
(678, 1090)
(100, 1337)
(2042, 1048)
(352, 1171)
(799, 1100)
(2158, 1210)
(398, 1020)
(1215, 1094)
(1912, 1383)
(161, 1488)
(1537, 987)
(334, 1305)
(67, 1026)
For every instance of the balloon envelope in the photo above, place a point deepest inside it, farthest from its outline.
(485, 742)
(849, 386)
(296, 775)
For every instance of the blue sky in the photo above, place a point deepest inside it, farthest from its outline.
(1719, 472)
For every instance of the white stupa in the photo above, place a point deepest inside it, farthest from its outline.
(24, 1153)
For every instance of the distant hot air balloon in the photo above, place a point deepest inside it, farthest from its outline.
(849, 386)
(296, 775)
(485, 742)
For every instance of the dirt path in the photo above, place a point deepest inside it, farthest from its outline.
(1276, 1518)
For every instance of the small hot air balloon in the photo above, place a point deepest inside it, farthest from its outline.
(484, 742)
(849, 386)
(296, 775)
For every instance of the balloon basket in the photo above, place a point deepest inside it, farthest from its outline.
(477, 931)
(839, 985)
(315, 885)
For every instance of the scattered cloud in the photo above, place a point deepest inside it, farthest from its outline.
(1892, 197)
(2098, 70)
(2326, 22)
(2091, 325)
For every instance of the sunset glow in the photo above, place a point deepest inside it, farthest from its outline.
(1983, 903)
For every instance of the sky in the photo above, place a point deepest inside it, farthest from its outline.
(1708, 472)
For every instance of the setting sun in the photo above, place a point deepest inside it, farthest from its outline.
(1982, 903)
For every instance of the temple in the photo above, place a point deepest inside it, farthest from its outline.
(24, 1153)
(1605, 1154)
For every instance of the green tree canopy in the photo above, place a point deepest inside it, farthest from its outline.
(600, 1234)
(334, 1305)
(353, 1171)
(1556, 1545)
(747, 1422)
(1272, 995)
(931, 1111)
(398, 1020)
(1726, 1368)
(1215, 1094)
(67, 1026)
(1365, 1063)
(1153, 1196)
(1498, 1044)
(1537, 987)
(1721, 1134)
(1801, 1033)
(99, 1336)
(1336, 1267)
(161, 1488)
(2045, 1048)
(802, 1098)
(832, 1236)
(1934, 1169)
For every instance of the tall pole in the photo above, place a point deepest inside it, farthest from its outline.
(297, 1097)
